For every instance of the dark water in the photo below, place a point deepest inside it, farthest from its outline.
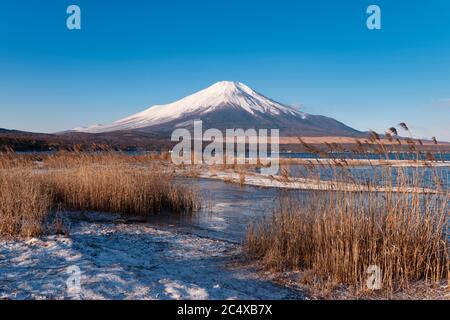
(228, 210)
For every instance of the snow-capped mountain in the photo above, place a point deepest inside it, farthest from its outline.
(226, 104)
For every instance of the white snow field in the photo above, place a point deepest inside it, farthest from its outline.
(120, 260)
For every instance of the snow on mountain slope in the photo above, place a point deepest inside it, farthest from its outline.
(224, 94)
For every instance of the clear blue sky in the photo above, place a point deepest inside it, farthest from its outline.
(132, 54)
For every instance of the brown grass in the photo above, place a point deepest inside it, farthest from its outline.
(333, 237)
(24, 204)
(31, 188)
(119, 188)
(339, 235)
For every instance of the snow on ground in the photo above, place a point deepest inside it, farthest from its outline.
(366, 162)
(120, 260)
(263, 180)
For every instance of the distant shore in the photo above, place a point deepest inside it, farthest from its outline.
(138, 141)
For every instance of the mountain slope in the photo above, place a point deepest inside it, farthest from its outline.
(226, 105)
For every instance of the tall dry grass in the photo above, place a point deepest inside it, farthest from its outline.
(33, 186)
(119, 188)
(24, 203)
(334, 236)
(339, 235)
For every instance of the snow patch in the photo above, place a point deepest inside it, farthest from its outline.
(129, 261)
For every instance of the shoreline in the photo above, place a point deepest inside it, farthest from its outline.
(269, 181)
(365, 162)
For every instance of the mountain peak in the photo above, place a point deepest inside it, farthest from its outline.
(232, 95)
(228, 89)
(226, 104)
(229, 86)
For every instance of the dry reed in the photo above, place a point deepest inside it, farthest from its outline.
(24, 204)
(335, 236)
(33, 186)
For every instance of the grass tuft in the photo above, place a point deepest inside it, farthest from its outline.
(30, 189)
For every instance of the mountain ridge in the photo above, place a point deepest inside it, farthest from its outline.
(223, 105)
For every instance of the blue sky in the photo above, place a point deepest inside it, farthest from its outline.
(132, 54)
